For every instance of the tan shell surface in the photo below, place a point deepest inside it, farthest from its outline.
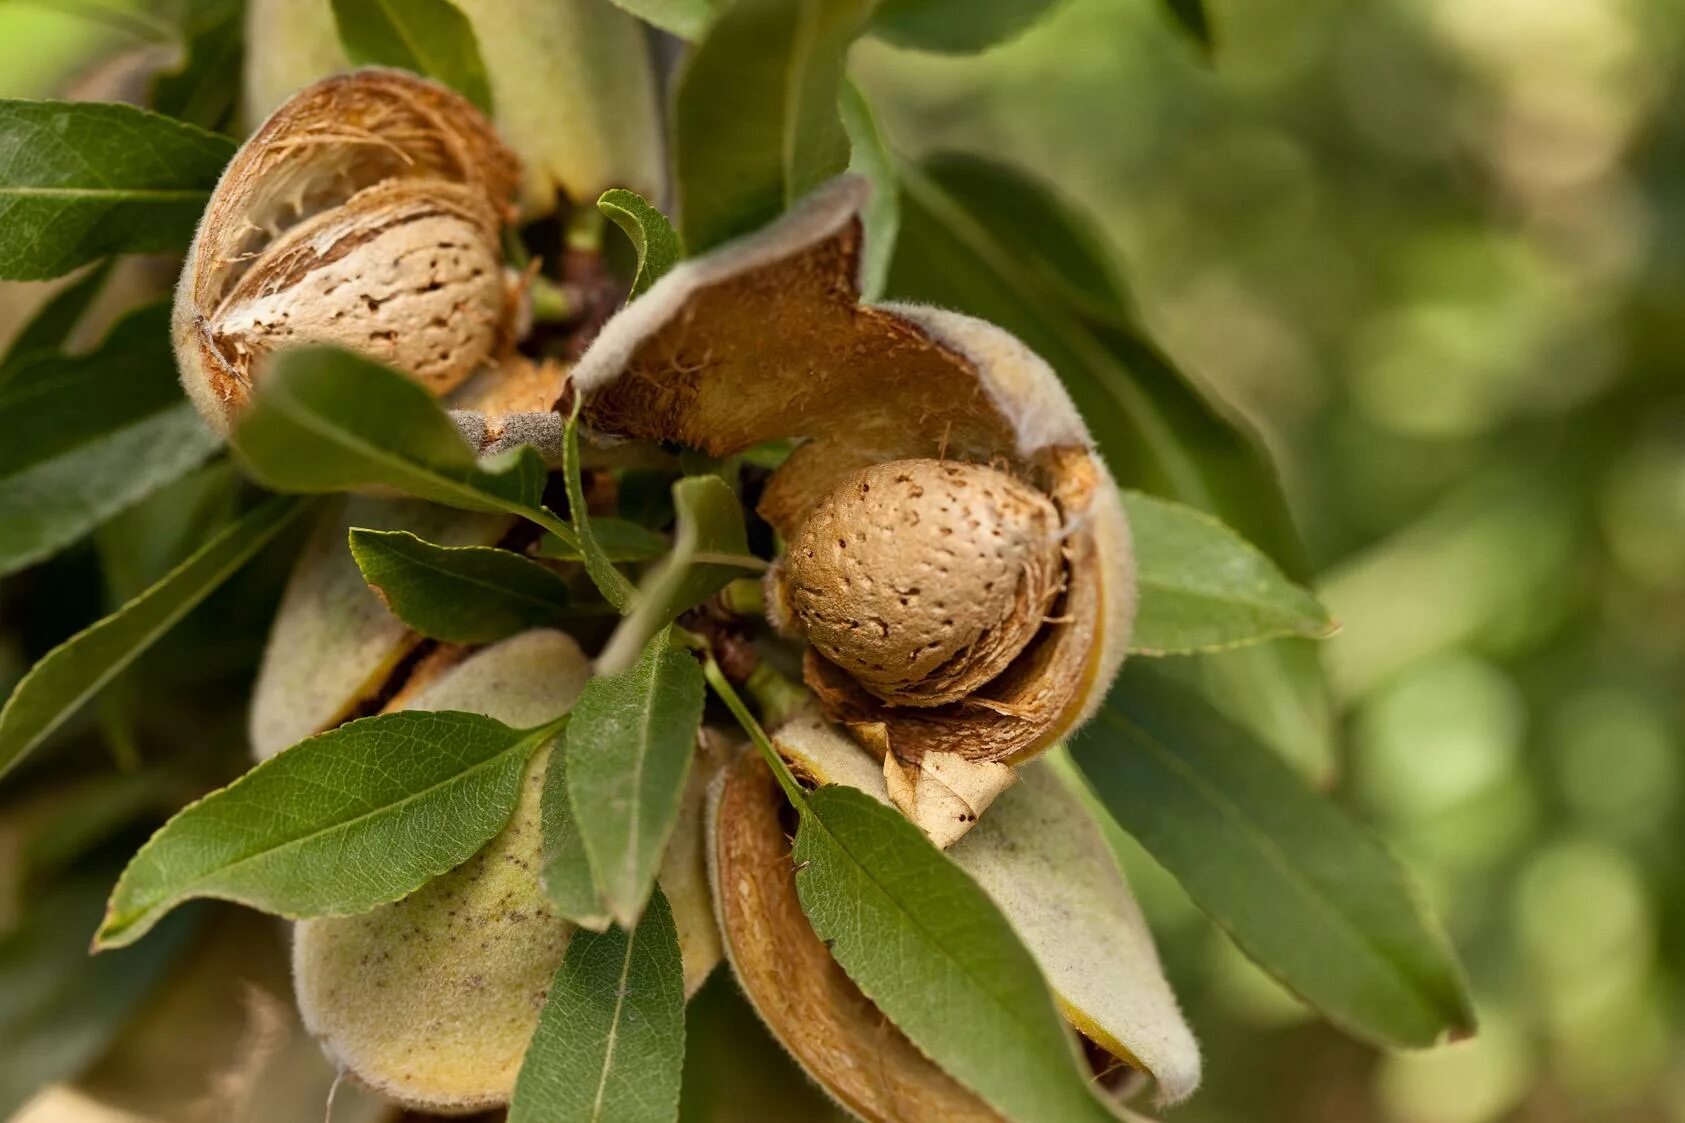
(408, 273)
(1042, 860)
(923, 579)
(333, 643)
(432, 1000)
(317, 151)
(831, 1028)
(765, 338)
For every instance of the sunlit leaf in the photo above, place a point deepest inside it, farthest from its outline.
(1304, 891)
(337, 824)
(629, 749)
(1204, 588)
(610, 1042)
(430, 37)
(81, 180)
(755, 120)
(653, 237)
(69, 675)
(459, 594)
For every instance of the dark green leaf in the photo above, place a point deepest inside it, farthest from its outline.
(430, 37)
(1156, 430)
(619, 540)
(755, 121)
(629, 748)
(710, 549)
(610, 1043)
(90, 435)
(75, 671)
(337, 824)
(565, 871)
(658, 244)
(59, 1010)
(49, 329)
(687, 19)
(329, 420)
(955, 26)
(871, 158)
(1191, 17)
(1205, 588)
(459, 594)
(1304, 891)
(930, 949)
(204, 89)
(81, 180)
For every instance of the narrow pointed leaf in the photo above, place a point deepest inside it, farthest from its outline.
(658, 244)
(337, 824)
(755, 121)
(1304, 891)
(870, 157)
(629, 749)
(459, 594)
(710, 549)
(930, 949)
(955, 26)
(565, 869)
(328, 420)
(81, 180)
(1205, 588)
(429, 37)
(610, 1042)
(618, 540)
(687, 19)
(598, 565)
(77, 669)
(89, 435)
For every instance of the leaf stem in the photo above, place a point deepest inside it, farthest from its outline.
(734, 702)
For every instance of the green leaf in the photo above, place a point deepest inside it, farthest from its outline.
(59, 1011)
(710, 549)
(955, 26)
(930, 949)
(629, 748)
(329, 420)
(88, 436)
(459, 594)
(205, 88)
(610, 1043)
(430, 37)
(871, 158)
(755, 121)
(1156, 430)
(74, 672)
(687, 19)
(565, 868)
(618, 540)
(337, 824)
(609, 581)
(49, 329)
(1301, 888)
(81, 180)
(658, 244)
(1205, 588)
(1192, 18)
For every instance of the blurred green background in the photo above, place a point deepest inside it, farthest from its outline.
(1432, 250)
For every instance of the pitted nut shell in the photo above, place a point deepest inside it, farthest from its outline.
(924, 579)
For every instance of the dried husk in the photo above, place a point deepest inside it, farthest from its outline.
(431, 1001)
(1045, 864)
(573, 86)
(765, 339)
